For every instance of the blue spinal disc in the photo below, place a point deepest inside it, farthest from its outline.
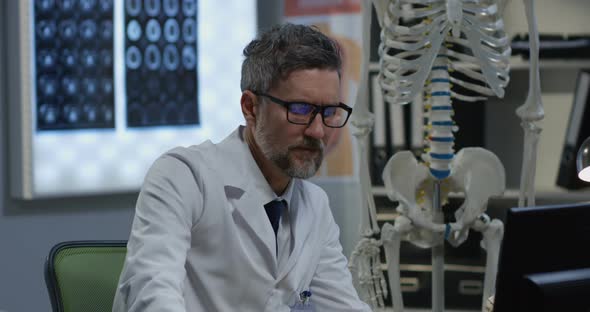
(442, 108)
(441, 156)
(442, 123)
(441, 93)
(440, 80)
(442, 139)
(440, 174)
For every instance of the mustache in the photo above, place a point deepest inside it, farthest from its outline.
(310, 143)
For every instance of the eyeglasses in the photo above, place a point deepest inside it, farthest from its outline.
(301, 113)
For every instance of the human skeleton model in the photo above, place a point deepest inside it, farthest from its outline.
(423, 44)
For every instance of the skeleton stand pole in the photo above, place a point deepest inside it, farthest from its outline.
(438, 255)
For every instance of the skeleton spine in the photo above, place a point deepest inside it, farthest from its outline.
(440, 138)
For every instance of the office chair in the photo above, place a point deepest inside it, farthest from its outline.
(82, 276)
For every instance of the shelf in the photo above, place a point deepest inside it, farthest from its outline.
(552, 194)
(541, 193)
(382, 191)
(518, 63)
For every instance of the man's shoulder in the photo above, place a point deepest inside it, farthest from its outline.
(193, 154)
(180, 163)
(206, 152)
(192, 150)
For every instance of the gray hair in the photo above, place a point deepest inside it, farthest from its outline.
(276, 53)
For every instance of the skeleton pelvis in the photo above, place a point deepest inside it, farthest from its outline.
(475, 171)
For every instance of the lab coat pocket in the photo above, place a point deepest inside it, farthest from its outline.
(302, 302)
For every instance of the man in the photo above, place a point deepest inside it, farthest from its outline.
(232, 226)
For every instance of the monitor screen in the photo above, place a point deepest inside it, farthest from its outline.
(558, 291)
(541, 247)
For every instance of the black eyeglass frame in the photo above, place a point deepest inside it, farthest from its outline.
(316, 109)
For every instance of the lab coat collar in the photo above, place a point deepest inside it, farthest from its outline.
(246, 187)
(241, 170)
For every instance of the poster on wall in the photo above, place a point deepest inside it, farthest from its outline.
(104, 87)
(341, 20)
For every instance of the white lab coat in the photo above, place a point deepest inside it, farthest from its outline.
(201, 240)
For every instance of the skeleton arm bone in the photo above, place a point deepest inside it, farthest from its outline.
(392, 236)
(362, 258)
(532, 133)
(531, 111)
(363, 121)
(365, 266)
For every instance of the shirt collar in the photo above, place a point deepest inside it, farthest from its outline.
(288, 194)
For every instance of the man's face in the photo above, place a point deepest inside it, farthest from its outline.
(298, 150)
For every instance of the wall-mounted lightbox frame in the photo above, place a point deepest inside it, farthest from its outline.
(98, 89)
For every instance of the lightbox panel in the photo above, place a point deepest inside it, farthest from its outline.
(80, 158)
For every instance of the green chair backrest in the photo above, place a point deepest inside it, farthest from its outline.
(82, 276)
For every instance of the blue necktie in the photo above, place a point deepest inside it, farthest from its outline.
(273, 211)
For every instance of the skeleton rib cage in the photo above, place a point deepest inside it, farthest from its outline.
(407, 52)
(424, 44)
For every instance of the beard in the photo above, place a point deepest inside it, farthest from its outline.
(283, 157)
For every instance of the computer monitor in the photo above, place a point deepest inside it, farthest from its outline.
(545, 259)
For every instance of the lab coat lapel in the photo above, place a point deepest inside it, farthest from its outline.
(241, 172)
(251, 210)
